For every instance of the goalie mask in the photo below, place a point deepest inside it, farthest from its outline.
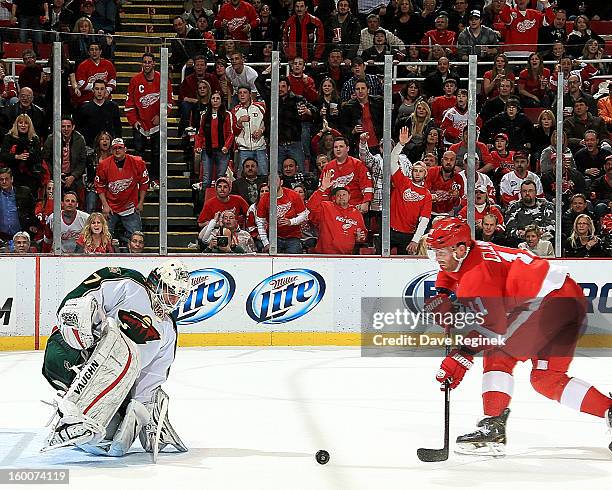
(169, 285)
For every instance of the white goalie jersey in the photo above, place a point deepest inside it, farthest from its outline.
(122, 294)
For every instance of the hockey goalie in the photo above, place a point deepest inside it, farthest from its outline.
(108, 357)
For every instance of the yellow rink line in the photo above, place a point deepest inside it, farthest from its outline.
(237, 339)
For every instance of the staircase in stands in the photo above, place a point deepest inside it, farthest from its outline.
(144, 24)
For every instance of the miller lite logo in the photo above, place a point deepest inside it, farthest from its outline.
(211, 291)
(285, 296)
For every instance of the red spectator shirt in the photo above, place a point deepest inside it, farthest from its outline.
(237, 18)
(502, 164)
(100, 249)
(214, 205)
(288, 206)
(304, 37)
(142, 102)
(440, 105)
(121, 185)
(409, 202)
(482, 212)
(88, 72)
(522, 27)
(442, 188)
(353, 175)
(533, 86)
(337, 226)
(489, 76)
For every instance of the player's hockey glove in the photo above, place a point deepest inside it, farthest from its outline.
(442, 306)
(454, 367)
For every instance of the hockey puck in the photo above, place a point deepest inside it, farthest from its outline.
(322, 456)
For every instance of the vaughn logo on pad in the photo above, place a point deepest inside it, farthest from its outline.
(211, 291)
(285, 296)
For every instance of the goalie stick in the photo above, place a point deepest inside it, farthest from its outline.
(156, 438)
(434, 455)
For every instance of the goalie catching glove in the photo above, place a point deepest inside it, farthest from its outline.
(454, 367)
(78, 318)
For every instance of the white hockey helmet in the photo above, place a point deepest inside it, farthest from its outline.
(169, 284)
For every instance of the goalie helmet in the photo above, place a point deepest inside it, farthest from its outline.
(169, 284)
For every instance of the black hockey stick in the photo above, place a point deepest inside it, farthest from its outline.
(433, 455)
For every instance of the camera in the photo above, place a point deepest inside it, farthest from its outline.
(222, 241)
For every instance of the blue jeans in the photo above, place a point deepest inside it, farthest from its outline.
(29, 22)
(260, 156)
(289, 246)
(293, 150)
(131, 223)
(219, 160)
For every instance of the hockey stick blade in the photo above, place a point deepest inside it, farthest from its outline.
(432, 455)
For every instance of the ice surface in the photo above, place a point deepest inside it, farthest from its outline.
(253, 418)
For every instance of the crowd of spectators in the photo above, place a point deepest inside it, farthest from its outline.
(330, 133)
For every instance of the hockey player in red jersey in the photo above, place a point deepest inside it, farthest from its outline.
(539, 319)
(340, 224)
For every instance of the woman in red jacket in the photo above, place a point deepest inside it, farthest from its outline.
(214, 140)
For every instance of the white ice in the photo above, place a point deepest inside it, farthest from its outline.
(253, 418)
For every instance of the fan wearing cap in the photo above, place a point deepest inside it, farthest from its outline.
(477, 39)
(440, 35)
(501, 158)
(482, 179)
(483, 207)
(121, 183)
(341, 226)
(512, 122)
(510, 184)
(489, 280)
(410, 201)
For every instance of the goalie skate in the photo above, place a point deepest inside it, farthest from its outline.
(159, 433)
(489, 439)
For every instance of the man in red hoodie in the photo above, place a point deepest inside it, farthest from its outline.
(303, 34)
(341, 225)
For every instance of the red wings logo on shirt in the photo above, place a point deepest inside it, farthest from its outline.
(149, 99)
(412, 196)
(97, 76)
(283, 209)
(118, 186)
(344, 180)
(525, 25)
(235, 23)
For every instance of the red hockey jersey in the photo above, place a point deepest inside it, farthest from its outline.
(213, 205)
(353, 175)
(289, 205)
(409, 202)
(521, 32)
(494, 279)
(237, 18)
(142, 102)
(337, 226)
(88, 72)
(121, 185)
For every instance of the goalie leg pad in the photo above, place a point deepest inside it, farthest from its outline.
(101, 386)
(135, 419)
(159, 432)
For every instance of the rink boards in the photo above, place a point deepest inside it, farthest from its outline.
(256, 300)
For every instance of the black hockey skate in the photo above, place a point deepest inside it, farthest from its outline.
(488, 440)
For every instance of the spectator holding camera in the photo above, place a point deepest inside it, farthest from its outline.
(224, 235)
(534, 243)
